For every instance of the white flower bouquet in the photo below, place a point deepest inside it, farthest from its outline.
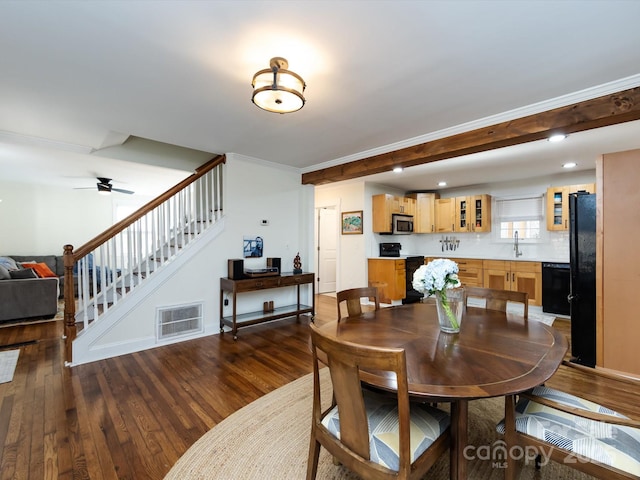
(436, 278)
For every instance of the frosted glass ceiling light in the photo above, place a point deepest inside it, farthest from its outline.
(277, 89)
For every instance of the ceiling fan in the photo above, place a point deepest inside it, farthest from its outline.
(105, 187)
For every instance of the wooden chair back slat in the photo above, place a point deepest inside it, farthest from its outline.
(352, 299)
(498, 299)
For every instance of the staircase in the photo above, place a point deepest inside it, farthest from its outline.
(115, 265)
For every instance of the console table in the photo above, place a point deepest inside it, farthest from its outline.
(234, 287)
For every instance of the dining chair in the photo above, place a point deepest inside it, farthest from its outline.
(573, 430)
(353, 297)
(376, 436)
(498, 299)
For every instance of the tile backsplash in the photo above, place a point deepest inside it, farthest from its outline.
(553, 247)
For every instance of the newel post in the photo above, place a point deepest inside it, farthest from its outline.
(69, 303)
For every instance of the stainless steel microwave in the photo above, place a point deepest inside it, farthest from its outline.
(401, 224)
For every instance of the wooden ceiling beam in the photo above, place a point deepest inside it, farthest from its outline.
(603, 111)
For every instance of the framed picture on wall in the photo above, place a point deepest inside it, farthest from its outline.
(352, 223)
(252, 246)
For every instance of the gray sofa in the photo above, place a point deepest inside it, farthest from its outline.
(29, 298)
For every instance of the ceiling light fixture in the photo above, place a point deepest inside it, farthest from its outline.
(442, 184)
(557, 137)
(569, 165)
(277, 89)
(397, 169)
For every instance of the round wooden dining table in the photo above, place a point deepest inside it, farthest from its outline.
(494, 354)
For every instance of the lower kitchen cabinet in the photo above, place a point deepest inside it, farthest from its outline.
(516, 276)
(470, 272)
(389, 275)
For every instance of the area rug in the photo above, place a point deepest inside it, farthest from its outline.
(8, 362)
(269, 440)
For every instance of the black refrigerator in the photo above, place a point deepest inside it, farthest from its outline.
(582, 258)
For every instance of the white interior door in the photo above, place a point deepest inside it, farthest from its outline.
(327, 249)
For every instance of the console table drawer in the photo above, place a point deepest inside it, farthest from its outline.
(252, 284)
(296, 280)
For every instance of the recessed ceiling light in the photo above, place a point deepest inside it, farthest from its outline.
(442, 184)
(397, 169)
(569, 165)
(558, 137)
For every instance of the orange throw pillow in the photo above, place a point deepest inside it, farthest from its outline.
(42, 269)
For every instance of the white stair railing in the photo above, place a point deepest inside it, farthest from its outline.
(113, 265)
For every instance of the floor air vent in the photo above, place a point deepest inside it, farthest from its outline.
(177, 321)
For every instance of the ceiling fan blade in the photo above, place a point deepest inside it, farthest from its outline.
(128, 192)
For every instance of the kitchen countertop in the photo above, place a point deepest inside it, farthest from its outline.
(474, 257)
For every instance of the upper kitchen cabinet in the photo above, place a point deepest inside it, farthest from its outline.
(445, 210)
(473, 213)
(558, 204)
(464, 214)
(384, 205)
(425, 217)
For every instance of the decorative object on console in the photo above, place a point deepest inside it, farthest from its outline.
(297, 264)
(440, 278)
(235, 267)
(274, 263)
(352, 223)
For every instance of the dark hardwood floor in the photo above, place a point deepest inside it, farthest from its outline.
(133, 416)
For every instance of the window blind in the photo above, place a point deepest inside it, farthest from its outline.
(520, 209)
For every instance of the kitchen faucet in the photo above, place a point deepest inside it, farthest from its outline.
(515, 244)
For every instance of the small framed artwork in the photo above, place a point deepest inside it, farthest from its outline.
(352, 223)
(252, 246)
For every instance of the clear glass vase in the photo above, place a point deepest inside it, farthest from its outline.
(450, 304)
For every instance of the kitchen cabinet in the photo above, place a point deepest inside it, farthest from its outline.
(558, 204)
(470, 272)
(384, 205)
(473, 213)
(389, 275)
(445, 212)
(516, 276)
(424, 220)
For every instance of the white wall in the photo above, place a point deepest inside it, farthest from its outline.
(40, 220)
(351, 262)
